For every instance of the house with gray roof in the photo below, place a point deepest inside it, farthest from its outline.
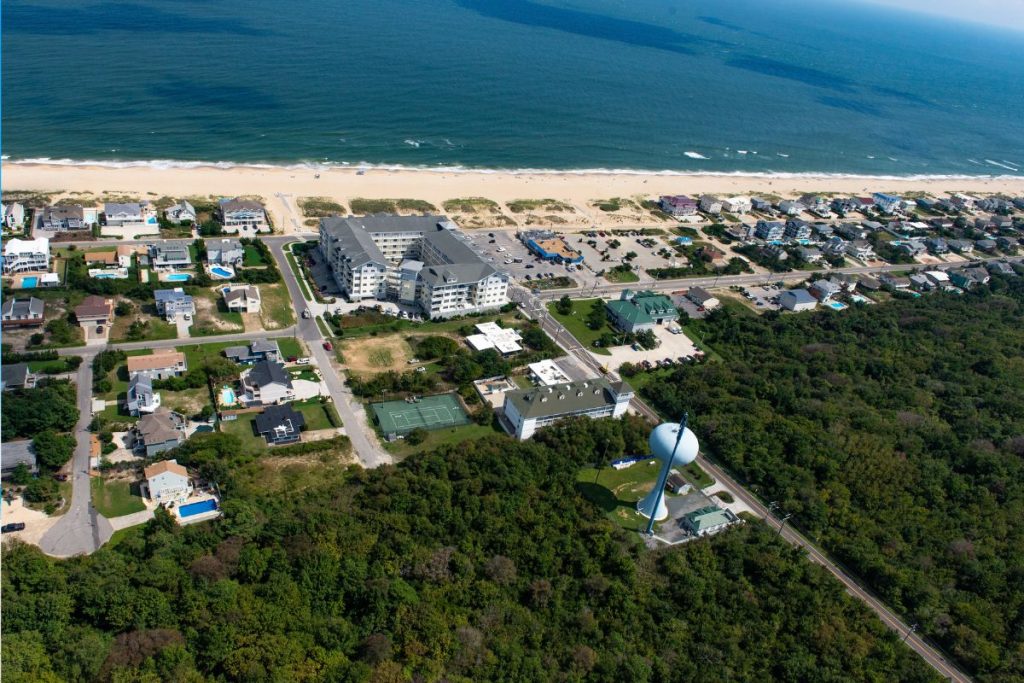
(224, 252)
(171, 303)
(267, 383)
(132, 213)
(16, 453)
(140, 397)
(16, 376)
(242, 216)
(258, 350)
(423, 260)
(528, 410)
(159, 431)
(280, 424)
(182, 212)
(169, 256)
(63, 217)
(797, 300)
(22, 312)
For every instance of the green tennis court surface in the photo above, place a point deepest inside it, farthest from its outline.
(429, 412)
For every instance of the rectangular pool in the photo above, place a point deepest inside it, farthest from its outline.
(29, 282)
(836, 305)
(177, 277)
(199, 508)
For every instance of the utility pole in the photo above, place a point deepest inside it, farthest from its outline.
(912, 629)
(782, 525)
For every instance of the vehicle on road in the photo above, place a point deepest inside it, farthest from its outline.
(328, 346)
(306, 313)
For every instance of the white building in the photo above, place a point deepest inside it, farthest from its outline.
(242, 215)
(531, 409)
(132, 214)
(26, 256)
(267, 383)
(242, 298)
(421, 260)
(181, 212)
(13, 215)
(168, 482)
(736, 205)
(490, 336)
(547, 373)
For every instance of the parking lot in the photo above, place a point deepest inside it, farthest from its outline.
(500, 246)
(645, 248)
(672, 346)
(764, 298)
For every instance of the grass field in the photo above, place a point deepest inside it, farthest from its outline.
(376, 354)
(50, 367)
(197, 354)
(156, 329)
(290, 346)
(574, 322)
(253, 257)
(617, 491)
(381, 358)
(276, 309)
(243, 429)
(315, 414)
(620, 276)
(440, 437)
(114, 498)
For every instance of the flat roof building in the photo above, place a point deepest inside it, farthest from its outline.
(528, 410)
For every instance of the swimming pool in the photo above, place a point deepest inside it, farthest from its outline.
(227, 396)
(27, 282)
(105, 276)
(836, 305)
(199, 508)
(177, 277)
(221, 272)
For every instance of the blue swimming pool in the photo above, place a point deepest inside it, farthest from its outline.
(221, 272)
(227, 396)
(836, 305)
(199, 508)
(178, 277)
(27, 282)
(105, 276)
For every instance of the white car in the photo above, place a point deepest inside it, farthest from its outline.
(302, 361)
(501, 249)
(508, 261)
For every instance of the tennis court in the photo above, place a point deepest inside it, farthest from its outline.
(428, 412)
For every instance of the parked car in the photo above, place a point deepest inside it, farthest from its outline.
(305, 313)
(303, 361)
(528, 267)
(13, 526)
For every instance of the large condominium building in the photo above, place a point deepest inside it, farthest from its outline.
(26, 256)
(528, 410)
(421, 260)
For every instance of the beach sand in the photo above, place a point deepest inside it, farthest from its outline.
(280, 187)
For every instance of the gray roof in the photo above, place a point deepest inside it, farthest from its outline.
(17, 452)
(133, 208)
(562, 399)
(159, 427)
(268, 372)
(169, 295)
(14, 375)
(21, 308)
(236, 204)
(171, 252)
(64, 211)
(223, 245)
(275, 416)
(355, 244)
(265, 346)
(242, 293)
(800, 296)
(140, 382)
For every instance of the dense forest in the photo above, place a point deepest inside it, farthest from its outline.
(475, 563)
(894, 434)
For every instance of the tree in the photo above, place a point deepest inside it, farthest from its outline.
(646, 339)
(598, 316)
(52, 449)
(21, 474)
(61, 331)
(416, 436)
(124, 307)
(564, 305)
(436, 346)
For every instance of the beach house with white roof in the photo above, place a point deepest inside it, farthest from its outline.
(182, 212)
(26, 256)
(13, 215)
(242, 215)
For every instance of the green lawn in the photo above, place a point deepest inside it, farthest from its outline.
(243, 429)
(115, 498)
(617, 491)
(697, 476)
(440, 437)
(621, 276)
(50, 367)
(156, 329)
(196, 354)
(298, 274)
(574, 322)
(290, 346)
(316, 416)
(303, 372)
(253, 257)
(427, 327)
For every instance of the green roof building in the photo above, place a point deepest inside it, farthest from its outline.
(708, 520)
(637, 311)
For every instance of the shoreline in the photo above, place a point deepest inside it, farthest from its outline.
(281, 187)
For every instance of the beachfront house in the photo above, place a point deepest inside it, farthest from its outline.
(678, 205)
(181, 213)
(224, 252)
(242, 215)
(169, 256)
(835, 246)
(140, 398)
(14, 215)
(797, 229)
(791, 207)
(26, 256)
(809, 254)
(63, 218)
(161, 364)
(242, 298)
(736, 205)
(887, 203)
(637, 311)
(171, 303)
(280, 424)
(824, 290)
(130, 214)
(267, 383)
(710, 204)
(167, 482)
(22, 312)
(528, 410)
(937, 245)
(159, 431)
(762, 205)
(912, 247)
(258, 350)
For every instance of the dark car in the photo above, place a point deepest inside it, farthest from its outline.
(14, 526)
(328, 346)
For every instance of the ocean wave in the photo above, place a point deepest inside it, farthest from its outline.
(694, 155)
(316, 166)
(1002, 165)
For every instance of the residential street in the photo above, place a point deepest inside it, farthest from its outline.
(81, 529)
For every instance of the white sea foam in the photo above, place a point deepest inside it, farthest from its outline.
(1001, 165)
(167, 164)
(784, 156)
(413, 143)
(694, 155)
(741, 151)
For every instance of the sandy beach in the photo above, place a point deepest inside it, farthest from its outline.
(281, 186)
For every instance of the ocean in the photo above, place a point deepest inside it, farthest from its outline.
(701, 86)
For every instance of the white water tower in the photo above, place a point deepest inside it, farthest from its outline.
(676, 446)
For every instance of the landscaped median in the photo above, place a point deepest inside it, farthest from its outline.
(297, 271)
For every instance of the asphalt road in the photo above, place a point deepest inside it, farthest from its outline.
(81, 529)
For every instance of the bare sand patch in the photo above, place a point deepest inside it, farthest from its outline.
(375, 355)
